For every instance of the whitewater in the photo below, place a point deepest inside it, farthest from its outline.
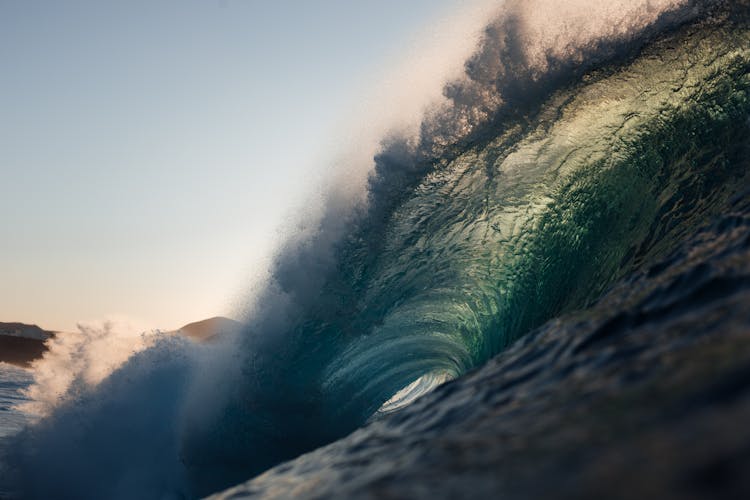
(540, 273)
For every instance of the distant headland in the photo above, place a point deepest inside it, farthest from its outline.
(21, 344)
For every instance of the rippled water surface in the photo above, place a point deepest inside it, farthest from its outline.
(12, 379)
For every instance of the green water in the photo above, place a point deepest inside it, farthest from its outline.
(609, 175)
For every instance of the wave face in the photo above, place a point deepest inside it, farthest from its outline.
(553, 170)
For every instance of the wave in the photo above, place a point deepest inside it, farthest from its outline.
(579, 146)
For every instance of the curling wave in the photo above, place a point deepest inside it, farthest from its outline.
(568, 157)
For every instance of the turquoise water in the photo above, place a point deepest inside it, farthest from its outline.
(586, 176)
(535, 218)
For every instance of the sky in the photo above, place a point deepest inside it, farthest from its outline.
(151, 151)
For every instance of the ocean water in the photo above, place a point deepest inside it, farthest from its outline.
(12, 380)
(549, 282)
(644, 394)
(12, 421)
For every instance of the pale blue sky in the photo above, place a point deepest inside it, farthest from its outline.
(149, 149)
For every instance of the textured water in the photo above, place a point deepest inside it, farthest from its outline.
(632, 184)
(575, 263)
(646, 394)
(12, 380)
(12, 421)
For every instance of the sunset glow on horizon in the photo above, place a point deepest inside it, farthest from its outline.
(152, 153)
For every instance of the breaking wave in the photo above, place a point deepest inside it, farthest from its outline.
(584, 141)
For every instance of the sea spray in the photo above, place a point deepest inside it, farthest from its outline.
(77, 361)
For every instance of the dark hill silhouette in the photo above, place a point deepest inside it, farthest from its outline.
(20, 344)
(209, 329)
